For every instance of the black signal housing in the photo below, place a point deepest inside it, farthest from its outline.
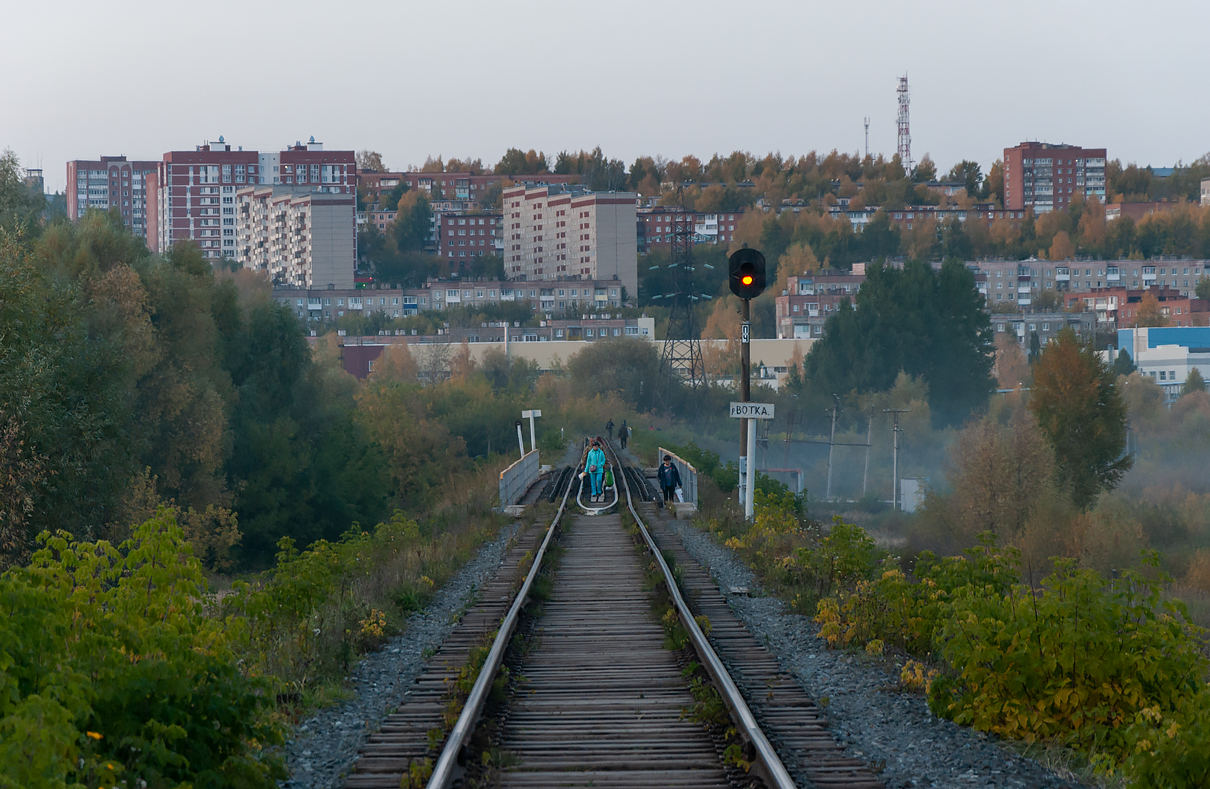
(747, 273)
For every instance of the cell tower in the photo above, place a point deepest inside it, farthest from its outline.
(905, 134)
(867, 137)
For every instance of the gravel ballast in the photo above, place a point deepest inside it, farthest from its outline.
(323, 748)
(871, 720)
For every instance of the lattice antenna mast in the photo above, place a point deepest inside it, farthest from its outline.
(905, 132)
(681, 359)
(867, 138)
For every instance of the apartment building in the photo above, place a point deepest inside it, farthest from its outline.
(656, 226)
(565, 231)
(300, 238)
(572, 296)
(908, 217)
(1045, 176)
(194, 194)
(1046, 325)
(1119, 307)
(464, 236)
(110, 182)
(805, 306)
(1022, 281)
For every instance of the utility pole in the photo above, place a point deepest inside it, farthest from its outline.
(869, 435)
(895, 462)
(831, 444)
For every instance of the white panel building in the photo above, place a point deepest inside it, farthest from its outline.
(562, 232)
(302, 239)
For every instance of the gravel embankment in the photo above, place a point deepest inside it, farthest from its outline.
(323, 748)
(871, 722)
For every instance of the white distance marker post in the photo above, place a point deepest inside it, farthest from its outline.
(751, 412)
(533, 442)
(750, 501)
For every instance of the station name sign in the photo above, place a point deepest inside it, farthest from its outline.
(752, 410)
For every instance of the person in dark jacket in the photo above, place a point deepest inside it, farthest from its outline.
(670, 478)
(623, 433)
(609, 429)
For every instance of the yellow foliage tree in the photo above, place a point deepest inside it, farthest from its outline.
(1062, 248)
(396, 364)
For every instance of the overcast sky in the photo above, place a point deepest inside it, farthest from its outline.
(470, 79)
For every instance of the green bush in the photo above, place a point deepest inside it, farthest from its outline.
(112, 671)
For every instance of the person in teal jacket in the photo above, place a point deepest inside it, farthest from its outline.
(594, 464)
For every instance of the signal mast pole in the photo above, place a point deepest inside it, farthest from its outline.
(747, 281)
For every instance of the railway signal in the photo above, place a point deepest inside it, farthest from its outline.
(747, 277)
(747, 280)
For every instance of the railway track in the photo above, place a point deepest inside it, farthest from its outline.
(596, 698)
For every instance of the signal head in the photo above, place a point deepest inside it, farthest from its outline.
(747, 278)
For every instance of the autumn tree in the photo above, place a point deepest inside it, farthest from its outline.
(1082, 414)
(20, 207)
(1203, 288)
(518, 162)
(999, 474)
(1061, 248)
(925, 170)
(915, 320)
(1011, 368)
(370, 161)
(970, 174)
(1149, 312)
(1194, 382)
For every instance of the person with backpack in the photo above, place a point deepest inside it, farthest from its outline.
(609, 429)
(623, 433)
(594, 464)
(670, 479)
(609, 480)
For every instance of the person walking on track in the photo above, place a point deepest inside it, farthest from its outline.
(623, 433)
(609, 429)
(595, 466)
(670, 478)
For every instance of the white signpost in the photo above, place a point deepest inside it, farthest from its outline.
(533, 441)
(750, 411)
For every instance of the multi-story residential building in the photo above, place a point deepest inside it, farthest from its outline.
(805, 306)
(300, 238)
(564, 231)
(110, 182)
(1021, 281)
(1045, 176)
(908, 216)
(1205, 201)
(1046, 325)
(1118, 308)
(563, 297)
(1167, 354)
(655, 227)
(463, 236)
(373, 184)
(194, 195)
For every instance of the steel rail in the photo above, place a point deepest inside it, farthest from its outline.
(768, 762)
(443, 771)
